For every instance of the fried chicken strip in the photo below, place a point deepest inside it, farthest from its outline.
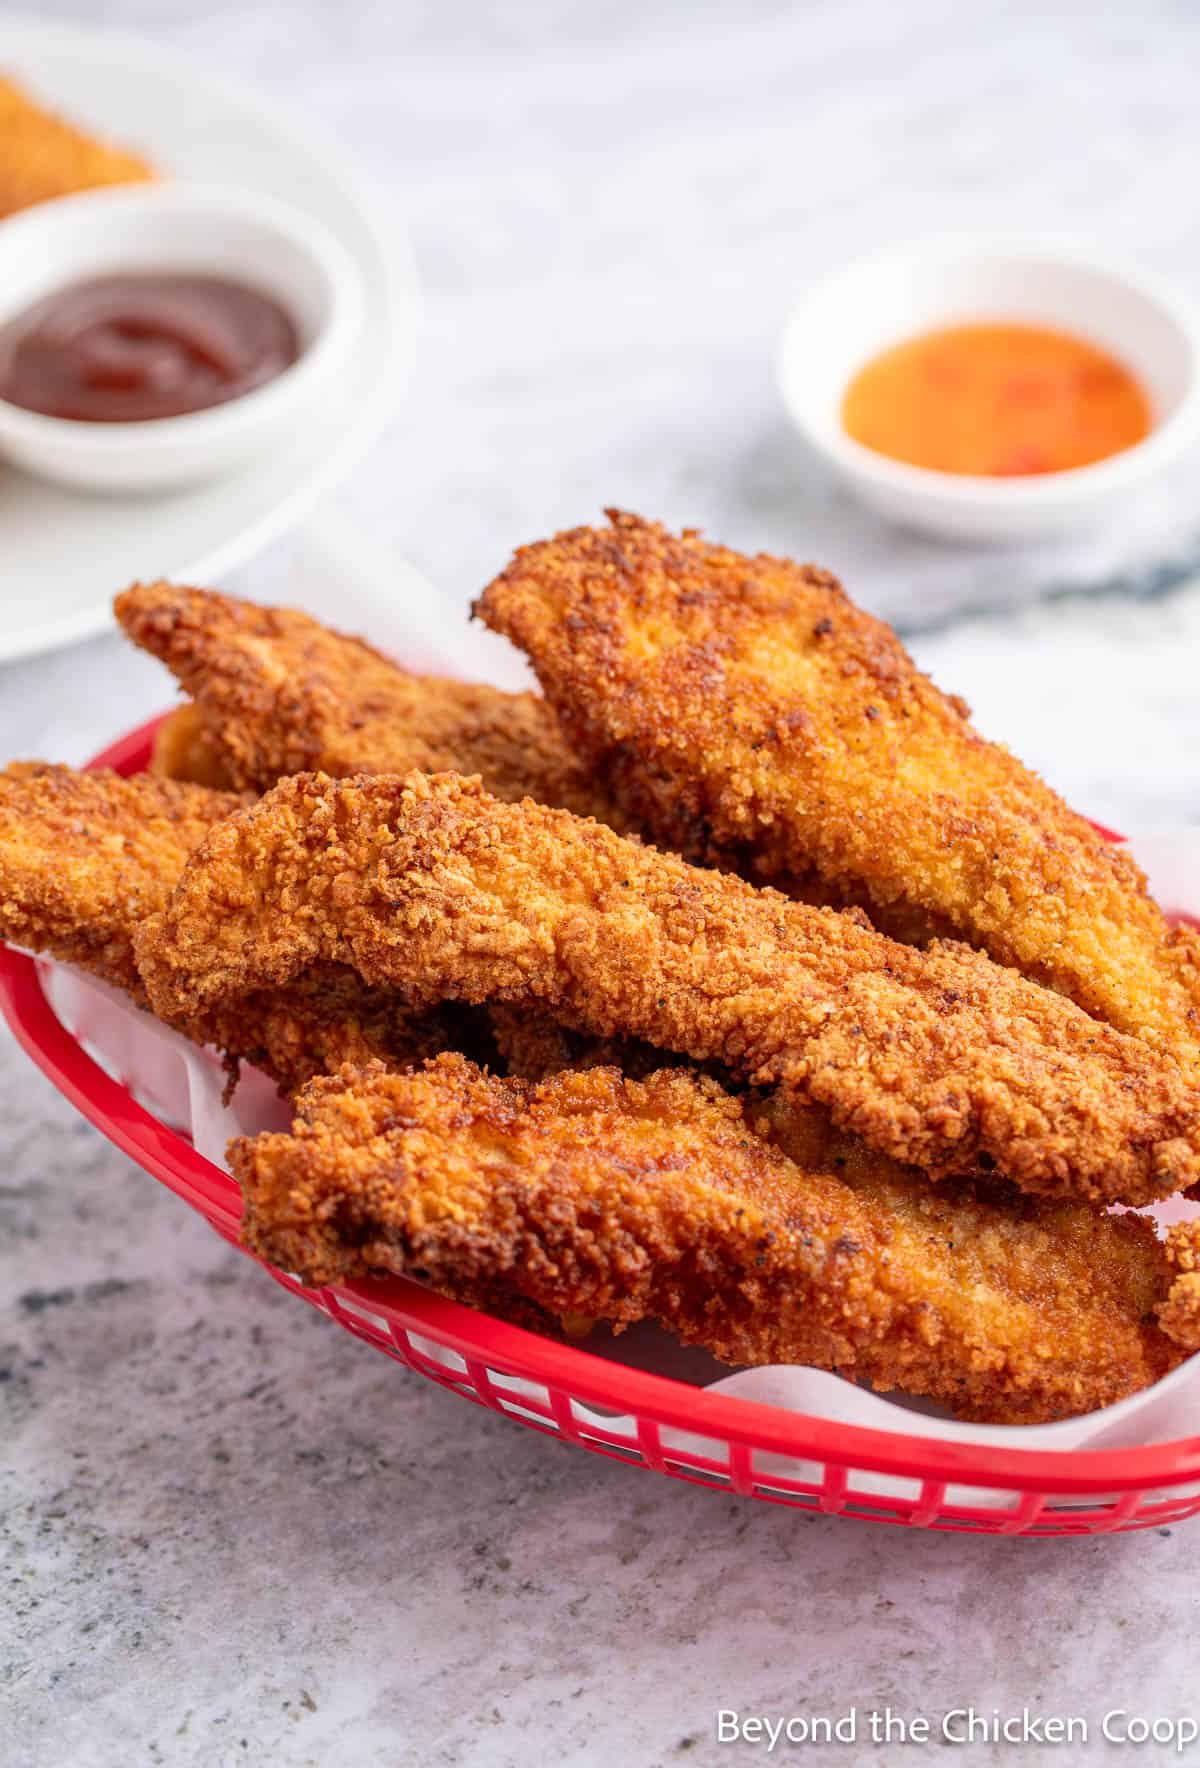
(86, 857)
(278, 693)
(965, 1220)
(941, 1059)
(622, 1200)
(968, 1217)
(746, 713)
(43, 156)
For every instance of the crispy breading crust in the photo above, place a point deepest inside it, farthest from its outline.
(1180, 1313)
(279, 693)
(43, 156)
(965, 1219)
(939, 1058)
(532, 1045)
(329, 1017)
(86, 857)
(622, 1200)
(746, 712)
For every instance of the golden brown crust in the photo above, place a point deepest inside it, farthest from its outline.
(329, 1017)
(43, 156)
(532, 1045)
(745, 712)
(1179, 1316)
(595, 1195)
(86, 857)
(962, 1233)
(184, 750)
(940, 1058)
(279, 693)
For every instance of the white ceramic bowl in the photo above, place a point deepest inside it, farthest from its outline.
(879, 301)
(203, 229)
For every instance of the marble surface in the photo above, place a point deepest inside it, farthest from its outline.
(233, 1534)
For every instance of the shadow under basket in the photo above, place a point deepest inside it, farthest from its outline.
(648, 1420)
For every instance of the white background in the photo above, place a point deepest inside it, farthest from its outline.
(232, 1533)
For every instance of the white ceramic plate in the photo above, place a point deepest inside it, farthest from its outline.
(64, 553)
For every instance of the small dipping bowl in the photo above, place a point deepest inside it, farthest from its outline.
(191, 230)
(849, 318)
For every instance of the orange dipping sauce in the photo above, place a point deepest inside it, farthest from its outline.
(999, 400)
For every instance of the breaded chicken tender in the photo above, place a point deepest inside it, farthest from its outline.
(622, 1200)
(86, 857)
(964, 1220)
(746, 713)
(43, 156)
(941, 1059)
(279, 693)
(967, 1220)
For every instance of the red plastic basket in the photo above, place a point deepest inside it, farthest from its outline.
(756, 1450)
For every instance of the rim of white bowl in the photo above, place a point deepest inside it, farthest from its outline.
(312, 237)
(1164, 442)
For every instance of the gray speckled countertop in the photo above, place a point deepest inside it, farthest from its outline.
(231, 1533)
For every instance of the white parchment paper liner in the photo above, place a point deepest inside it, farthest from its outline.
(183, 1086)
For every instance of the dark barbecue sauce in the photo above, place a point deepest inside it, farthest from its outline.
(120, 349)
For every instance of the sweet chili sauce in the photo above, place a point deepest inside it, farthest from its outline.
(1000, 400)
